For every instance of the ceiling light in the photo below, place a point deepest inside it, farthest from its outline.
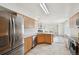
(43, 6)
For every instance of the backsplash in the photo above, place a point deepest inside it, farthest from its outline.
(29, 32)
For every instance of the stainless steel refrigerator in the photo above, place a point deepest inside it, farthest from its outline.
(11, 33)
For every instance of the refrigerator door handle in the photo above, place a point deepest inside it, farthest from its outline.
(13, 28)
(10, 33)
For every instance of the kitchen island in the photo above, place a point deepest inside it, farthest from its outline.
(44, 38)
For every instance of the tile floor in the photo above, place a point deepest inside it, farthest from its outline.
(58, 47)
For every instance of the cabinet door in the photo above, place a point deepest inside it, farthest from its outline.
(27, 44)
(77, 48)
(48, 38)
(29, 22)
(40, 38)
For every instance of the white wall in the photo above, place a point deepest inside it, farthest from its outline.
(49, 28)
(52, 28)
(67, 28)
(60, 29)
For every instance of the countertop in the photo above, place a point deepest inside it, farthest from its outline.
(44, 33)
(75, 39)
(25, 36)
(33, 32)
(30, 32)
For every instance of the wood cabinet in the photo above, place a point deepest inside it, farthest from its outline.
(72, 25)
(27, 44)
(40, 38)
(44, 38)
(77, 48)
(48, 38)
(72, 20)
(29, 22)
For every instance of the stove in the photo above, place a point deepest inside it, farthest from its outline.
(72, 45)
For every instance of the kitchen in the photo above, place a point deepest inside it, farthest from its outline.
(25, 32)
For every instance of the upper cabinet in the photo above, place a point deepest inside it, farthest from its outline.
(73, 20)
(29, 22)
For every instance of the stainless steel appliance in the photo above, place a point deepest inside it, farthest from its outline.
(72, 46)
(11, 35)
(34, 41)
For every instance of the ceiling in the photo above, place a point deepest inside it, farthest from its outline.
(58, 12)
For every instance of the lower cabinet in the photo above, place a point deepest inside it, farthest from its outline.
(49, 38)
(44, 38)
(40, 38)
(27, 44)
(77, 48)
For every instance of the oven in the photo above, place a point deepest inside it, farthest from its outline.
(72, 47)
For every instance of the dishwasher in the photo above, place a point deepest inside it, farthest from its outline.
(34, 41)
